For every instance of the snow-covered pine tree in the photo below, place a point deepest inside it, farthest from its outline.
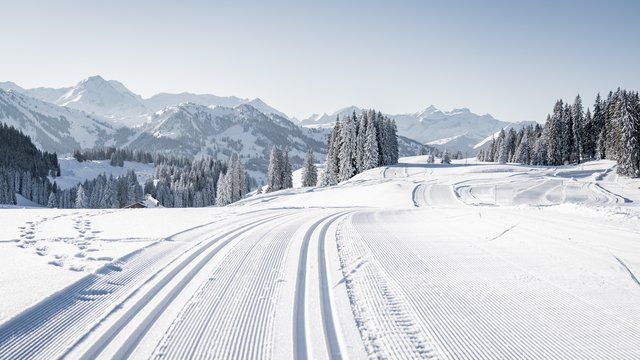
(588, 138)
(274, 174)
(287, 171)
(329, 176)
(347, 149)
(612, 125)
(81, 199)
(522, 152)
(53, 201)
(629, 159)
(370, 151)
(334, 144)
(360, 142)
(223, 195)
(599, 128)
(392, 142)
(446, 158)
(309, 170)
(577, 127)
(554, 135)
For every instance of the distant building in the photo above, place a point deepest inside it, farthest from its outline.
(148, 202)
(137, 205)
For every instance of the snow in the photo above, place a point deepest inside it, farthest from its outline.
(415, 260)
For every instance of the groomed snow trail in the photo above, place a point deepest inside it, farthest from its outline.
(407, 261)
(473, 303)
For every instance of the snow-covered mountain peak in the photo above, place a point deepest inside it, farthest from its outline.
(107, 98)
(8, 85)
(264, 107)
(463, 110)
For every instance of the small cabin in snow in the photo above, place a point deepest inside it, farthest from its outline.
(136, 205)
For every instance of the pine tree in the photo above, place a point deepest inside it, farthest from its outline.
(223, 195)
(629, 159)
(577, 122)
(309, 170)
(81, 199)
(329, 177)
(613, 107)
(360, 142)
(446, 159)
(53, 201)
(554, 135)
(522, 154)
(347, 150)
(370, 151)
(274, 175)
(589, 137)
(334, 144)
(287, 172)
(392, 142)
(503, 154)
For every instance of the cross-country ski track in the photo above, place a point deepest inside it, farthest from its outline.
(407, 261)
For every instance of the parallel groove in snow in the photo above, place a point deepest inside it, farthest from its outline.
(330, 333)
(231, 315)
(53, 327)
(127, 348)
(474, 317)
(385, 323)
(49, 328)
(299, 332)
(300, 350)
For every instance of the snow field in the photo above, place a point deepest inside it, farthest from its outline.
(407, 261)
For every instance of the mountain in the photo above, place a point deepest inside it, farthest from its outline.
(97, 112)
(105, 98)
(52, 127)
(195, 130)
(455, 130)
(326, 120)
(8, 85)
(50, 95)
(264, 108)
(113, 100)
(160, 101)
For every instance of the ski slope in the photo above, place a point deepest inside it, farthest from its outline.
(482, 261)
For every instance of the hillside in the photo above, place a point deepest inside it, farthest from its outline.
(52, 127)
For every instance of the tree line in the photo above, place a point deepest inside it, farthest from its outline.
(24, 169)
(572, 135)
(117, 156)
(359, 143)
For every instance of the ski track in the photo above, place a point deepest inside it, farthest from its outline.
(631, 274)
(132, 341)
(46, 330)
(330, 333)
(231, 315)
(299, 332)
(413, 293)
(472, 317)
(326, 313)
(386, 325)
(54, 326)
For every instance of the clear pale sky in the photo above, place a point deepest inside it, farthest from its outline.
(512, 59)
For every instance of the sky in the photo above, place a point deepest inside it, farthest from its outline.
(512, 59)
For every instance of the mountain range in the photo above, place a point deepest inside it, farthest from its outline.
(99, 112)
(455, 130)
